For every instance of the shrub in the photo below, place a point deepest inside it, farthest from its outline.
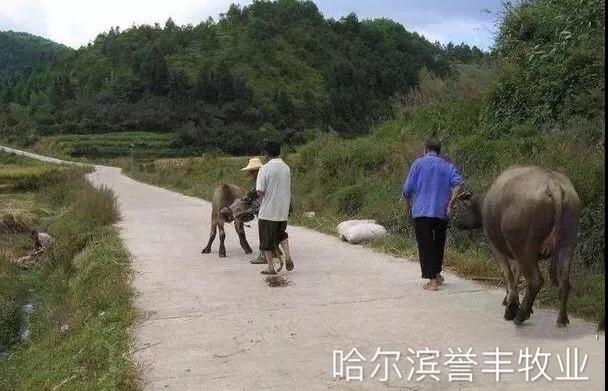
(349, 200)
(552, 56)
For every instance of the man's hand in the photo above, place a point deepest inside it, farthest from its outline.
(407, 206)
(455, 193)
(449, 210)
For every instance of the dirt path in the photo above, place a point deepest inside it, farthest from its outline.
(213, 324)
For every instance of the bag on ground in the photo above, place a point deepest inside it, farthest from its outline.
(350, 223)
(357, 231)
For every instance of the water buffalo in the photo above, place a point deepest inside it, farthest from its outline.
(527, 214)
(224, 196)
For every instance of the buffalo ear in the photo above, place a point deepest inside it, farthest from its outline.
(464, 195)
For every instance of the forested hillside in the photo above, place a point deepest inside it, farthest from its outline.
(23, 53)
(271, 69)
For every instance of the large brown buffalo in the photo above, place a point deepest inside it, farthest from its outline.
(527, 214)
(223, 197)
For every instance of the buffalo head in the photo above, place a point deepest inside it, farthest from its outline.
(244, 210)
(466, 212)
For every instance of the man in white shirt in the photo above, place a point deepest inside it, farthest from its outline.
(273, 185)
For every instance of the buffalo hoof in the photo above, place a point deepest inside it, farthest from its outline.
(206, 251)
(522, 315)
(222, 253)
(511, 311)
(248, 251)
(562, 321)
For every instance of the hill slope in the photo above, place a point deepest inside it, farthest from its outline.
(21, 53)
(270, 69)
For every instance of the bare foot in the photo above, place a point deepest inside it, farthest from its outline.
(430, 286)
(439, 278)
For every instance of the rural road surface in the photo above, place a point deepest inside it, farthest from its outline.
(213, 324)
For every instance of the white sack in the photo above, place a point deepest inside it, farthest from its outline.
(362, 231)
(349, 223)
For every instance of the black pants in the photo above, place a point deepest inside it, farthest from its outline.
(430, 235)
(272, 233)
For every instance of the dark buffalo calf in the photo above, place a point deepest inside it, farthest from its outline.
(223, 196)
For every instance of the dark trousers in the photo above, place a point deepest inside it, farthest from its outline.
(430, 235)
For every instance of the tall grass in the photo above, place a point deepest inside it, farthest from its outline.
(80, 288)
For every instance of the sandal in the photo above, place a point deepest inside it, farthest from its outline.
(258, 261)
(268, 273)
(439, 278)
(430, 287)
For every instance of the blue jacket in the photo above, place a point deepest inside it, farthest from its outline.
(430, 184)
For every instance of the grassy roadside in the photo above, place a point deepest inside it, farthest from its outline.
(339, 179)
(80, 288)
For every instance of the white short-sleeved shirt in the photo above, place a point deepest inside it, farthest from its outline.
(274, 179)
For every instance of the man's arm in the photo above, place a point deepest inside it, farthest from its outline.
(260, 183)
(407, 204)
(409, 188)
(455, 192)
(456, 183)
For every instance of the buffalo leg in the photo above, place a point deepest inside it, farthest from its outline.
(220, 226)
(240, 230)
(207, 248)
(563, 276)
(512, 297)
(534, 279)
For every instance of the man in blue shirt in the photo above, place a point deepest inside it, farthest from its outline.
(429, 192)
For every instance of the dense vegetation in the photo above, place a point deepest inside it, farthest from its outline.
(22, 54)
(552, 70)
(271, 69)
(79, 289)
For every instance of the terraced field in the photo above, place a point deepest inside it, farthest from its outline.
(111, 145)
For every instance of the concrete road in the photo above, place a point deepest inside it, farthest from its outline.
(36, 156)
(213, 324)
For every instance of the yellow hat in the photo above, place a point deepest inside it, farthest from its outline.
(254, 164)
